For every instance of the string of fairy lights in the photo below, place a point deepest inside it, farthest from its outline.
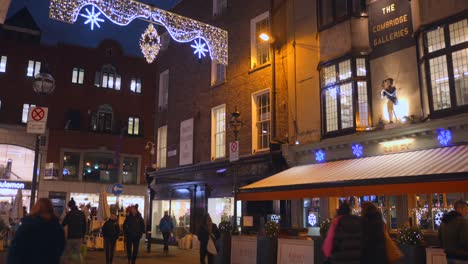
(207, 38)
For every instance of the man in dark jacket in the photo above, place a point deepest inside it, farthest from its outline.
(166, 226)
(134, 227)
(453, 234)
(75, 221)
(110, 232)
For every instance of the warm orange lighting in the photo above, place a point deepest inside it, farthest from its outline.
(264, 37)
(397, 142)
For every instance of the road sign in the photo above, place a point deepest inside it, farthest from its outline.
(37, 120)
(117, 189)
(234, 151)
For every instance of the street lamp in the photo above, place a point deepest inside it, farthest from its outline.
(43, 84)
(150, 148)
(235, 123)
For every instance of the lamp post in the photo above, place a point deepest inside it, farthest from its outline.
(150, 148)
(235, 123)
(43, 84)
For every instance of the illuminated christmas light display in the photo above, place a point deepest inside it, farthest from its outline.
(320, 155)
(444, 136)
(312, 219)
(199, 48)
(93, 18)
(150, 43)
(358, 150)
(122, 12)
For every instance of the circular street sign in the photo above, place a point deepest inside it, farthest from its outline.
(234, 146)
(117, 189)
(38, 114)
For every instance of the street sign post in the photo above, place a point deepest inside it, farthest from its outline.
(37, 120)
(234, 151)
(117, 189)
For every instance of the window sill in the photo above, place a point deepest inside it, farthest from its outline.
(218, 84)
(265, 65)
(261, 151)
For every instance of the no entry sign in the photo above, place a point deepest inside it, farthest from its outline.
(37, 120)
(234, 151)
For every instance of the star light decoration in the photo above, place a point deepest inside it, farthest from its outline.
(150, 43)
(199, 48)
(93, 18)
(122, 12)
(444, 136)
(319, 155)
(358, 150)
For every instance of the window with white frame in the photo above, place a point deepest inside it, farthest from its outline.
(163, 89)
(218, 73)
(162, 147)
(445, 63)
(108, 78)
(25, 113)
(344, 86)
(135, 85)
(133, 126)
(219, 7)
(3, 62)
(78, 76)
(165, 40)
(218, 132)
(261, 116)
(259, 49)
(34, 68)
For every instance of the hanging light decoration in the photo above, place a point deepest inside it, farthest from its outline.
(150, 43)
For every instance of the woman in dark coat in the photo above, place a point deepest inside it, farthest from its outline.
(207, 230)
(40, 239)
(373, 250)
(110, 232)
(134, 228)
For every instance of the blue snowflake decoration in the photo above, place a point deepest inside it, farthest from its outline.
(444, 136)
(199, 48)
(92, 18)
(312, 219)
(320, 155)
(358, 150)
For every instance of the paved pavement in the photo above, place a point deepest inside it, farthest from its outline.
(156, 256)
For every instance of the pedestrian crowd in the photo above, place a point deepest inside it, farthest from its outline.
(364, 239)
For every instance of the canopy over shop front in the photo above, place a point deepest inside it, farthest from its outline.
(435, 170)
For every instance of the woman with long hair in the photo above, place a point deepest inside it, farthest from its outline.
(40, 238)
(373, 250)
(208, 230)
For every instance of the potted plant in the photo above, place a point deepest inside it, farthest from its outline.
(224, 243)
(267, 246)
(410, 242)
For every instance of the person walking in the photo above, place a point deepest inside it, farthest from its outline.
(374, 243)
(110, 232)
(40, 238)
(208, 230)
(453, 234)
(75, 221)
(134, 227)
(166, 226)
(343, 242)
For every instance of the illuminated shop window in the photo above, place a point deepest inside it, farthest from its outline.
(345, 103)
(100, 167)
(71, 165)
(445, 65)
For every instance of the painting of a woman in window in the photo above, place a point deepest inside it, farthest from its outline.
(389, 92)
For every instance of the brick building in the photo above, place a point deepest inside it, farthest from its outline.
(101, 115)
(196, 100)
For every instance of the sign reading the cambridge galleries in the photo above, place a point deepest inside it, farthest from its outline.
(390, 26)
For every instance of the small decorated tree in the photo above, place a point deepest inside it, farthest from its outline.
(271, 229)
(324, 226)
(225, 227)
(410, 236)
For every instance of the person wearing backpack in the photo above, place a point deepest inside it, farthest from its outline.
(166, 226)
(110, 232)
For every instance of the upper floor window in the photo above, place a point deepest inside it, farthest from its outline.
(133, 126)
(135, 85)
(219, 7)
(102, 120)
(165, 40)
(345, 96)
(259, 49)
(78, 75)
(3, 62)
(162, 147)
(163, 89)
(108, 78)
(218, 132)
(34, 68)
(335, 11)
(25, 113)
(218, 73)
(445, 63)
(261, 116)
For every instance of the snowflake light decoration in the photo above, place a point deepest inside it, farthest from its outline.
(150, 43)
(358, 150)
(444, 136)
(312, 219)
(199, 48)
(438, 217)
(320, 155)
(92, 18)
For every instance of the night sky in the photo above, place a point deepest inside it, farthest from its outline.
(80, 34)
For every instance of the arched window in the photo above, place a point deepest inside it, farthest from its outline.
(108, 77)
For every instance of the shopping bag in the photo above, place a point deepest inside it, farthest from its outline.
(211, 247)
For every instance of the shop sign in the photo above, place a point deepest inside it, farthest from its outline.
(186, 142)
(12, 185)
(390, 26)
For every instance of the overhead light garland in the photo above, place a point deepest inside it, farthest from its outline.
(122, 12)
(150, 43)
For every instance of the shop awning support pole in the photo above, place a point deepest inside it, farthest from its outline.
(35, 174)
